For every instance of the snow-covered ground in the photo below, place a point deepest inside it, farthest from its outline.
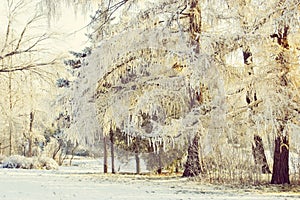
(84, 181)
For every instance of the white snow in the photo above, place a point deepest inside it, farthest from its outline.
(85, 182)
(22, 162)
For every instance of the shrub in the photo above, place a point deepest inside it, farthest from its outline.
(21, 162)
(47, 163)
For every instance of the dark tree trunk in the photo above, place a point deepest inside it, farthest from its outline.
(281, 161)
(281, 153)
(159, 170)
(105, 168)
(137, 156)
(29, 153)
(259, 155)
(112, 152)
(177, 166)
(192, 165)
(137, 162)
(31, 118)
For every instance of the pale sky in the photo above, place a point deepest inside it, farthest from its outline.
(63, 26)
(68, 25)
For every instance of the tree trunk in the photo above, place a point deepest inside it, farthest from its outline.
(281, 161)
(57, 150)
(192, 165)
(281, 153)
(31, 118)
(259, 155)
(105, 167)
(73, 152)
(10, 109)
(138, 163)
(29, 153)
(159, 170)
(137, 157)
(112, 152)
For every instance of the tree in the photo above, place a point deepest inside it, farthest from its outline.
(25, 63)
(175, 73)
(267, 93)
(137, 81)
(287, 111)
(78, 100)
(193, 164)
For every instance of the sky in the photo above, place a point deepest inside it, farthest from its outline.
(71, 27)
(68, 28)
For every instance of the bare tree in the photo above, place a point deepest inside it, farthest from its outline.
(23, 60)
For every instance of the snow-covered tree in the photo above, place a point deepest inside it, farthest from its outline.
(26, 73)
(220, 75)
(151, 73)
(271, 105)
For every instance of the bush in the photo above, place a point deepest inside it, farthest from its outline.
(21, 162)
(47, 163)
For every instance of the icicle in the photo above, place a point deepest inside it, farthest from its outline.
(150, 143)
(173, 142)
(154, 145)
(157, 148)
(131, 140)
(164, 145)
(160, 141)
(128, 124)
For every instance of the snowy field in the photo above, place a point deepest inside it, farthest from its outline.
(85, 182)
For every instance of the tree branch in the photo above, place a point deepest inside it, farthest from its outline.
(244, 108)
(28, 49)
(27, 67)
(112, 10)
(25, 29)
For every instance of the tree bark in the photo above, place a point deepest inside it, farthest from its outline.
(159, 170)
(281, 161)
(259, 155)
(258, 150)
(31, 118)
(112, 152)
(281, 152)
(138, 165)
(192, 165)
(105, 167)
